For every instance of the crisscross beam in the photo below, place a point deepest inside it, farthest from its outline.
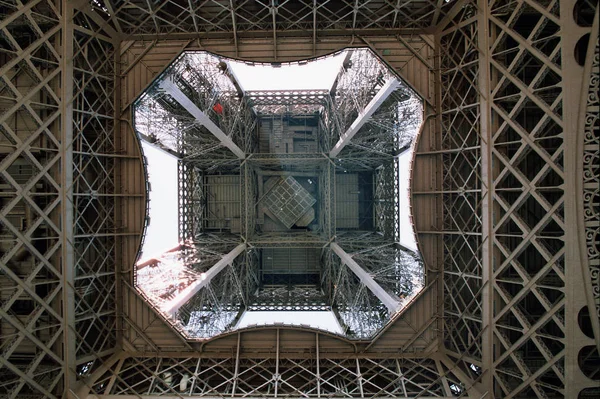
(171, 89)
(185, 295)
(390, 301)
(364, 116)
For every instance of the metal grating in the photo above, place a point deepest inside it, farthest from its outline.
(288, 201)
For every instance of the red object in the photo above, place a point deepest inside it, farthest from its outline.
(218, 108)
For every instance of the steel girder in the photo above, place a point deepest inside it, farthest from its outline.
(369, 280)
(191, 200)
(391, 301)
(200, 117)
(364, 115)
(199, 112)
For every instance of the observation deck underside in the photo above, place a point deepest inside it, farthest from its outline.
(282, 193)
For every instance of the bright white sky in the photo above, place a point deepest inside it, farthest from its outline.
(313, 75)
(407, 236)
(316, 319)
(161, 234)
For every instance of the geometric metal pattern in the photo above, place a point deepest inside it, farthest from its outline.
(210, 309)
(294, 298)
(272, 101)
(337, 378)
(289, 201)
(502, 106)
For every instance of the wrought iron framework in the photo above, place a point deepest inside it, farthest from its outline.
(206, 302)
(504, 200)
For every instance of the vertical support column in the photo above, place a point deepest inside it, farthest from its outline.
(276, 377)
(246, 201)
(485, 134)
(329, 173)
(121, 248)
(401, 376)
(66, 196)
(195, 377)
(314, 41)
(318, 365)
(183, 195)
(237, 365)
(359, 379)
(438, 255)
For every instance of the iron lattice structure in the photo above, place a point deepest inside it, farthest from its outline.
(257, 197)
(504, 200)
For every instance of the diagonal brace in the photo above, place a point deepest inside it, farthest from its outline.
(171, 89)
(173, 305)
(392, 302)
(364, 116)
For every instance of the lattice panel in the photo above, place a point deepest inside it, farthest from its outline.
(295, 298)
(352, 377)
(462, 186)
(527, 156)
(94, 190)
(387, 212)
(221, 16)
(32, 223)
(191, 201)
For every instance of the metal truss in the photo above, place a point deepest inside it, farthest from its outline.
(371, 282)
(286, 298)
(504, 175)
(461, 191)
(59, 245)
(197, 109)
(177, 17)
(318, 376)
(387, 212)
(396, 269)
(358, 92)
(300, 240)
(287, 101)
(209, 284)
(327, 200)
(588, 354)
(313, 164)
(371, 116)
(591, 171)
(192, 201)
(361, 77)
(220, 303)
